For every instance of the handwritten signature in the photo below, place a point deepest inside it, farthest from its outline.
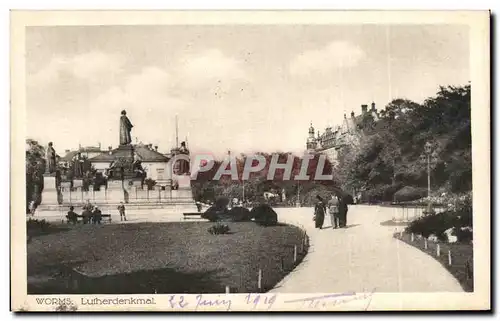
(334, 299)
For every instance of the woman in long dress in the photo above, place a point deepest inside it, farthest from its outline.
(319, 212)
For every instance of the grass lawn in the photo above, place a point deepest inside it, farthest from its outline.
(460, 254)
(176, 257)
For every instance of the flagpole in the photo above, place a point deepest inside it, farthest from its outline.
(243, 180)
(176, 133)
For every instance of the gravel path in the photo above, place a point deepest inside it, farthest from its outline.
(362, 257)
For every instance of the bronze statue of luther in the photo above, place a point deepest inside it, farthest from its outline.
(125, 128)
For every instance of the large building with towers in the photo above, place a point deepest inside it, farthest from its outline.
(334, 139)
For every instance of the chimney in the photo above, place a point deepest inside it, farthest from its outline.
(110, 150)
(364, 109)
(345, 117)
(156, 148)
(373, 106)
(150, 146)
(352, 114)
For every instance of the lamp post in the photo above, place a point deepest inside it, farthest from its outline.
(428, 150)
(297, 203)
(430, 155)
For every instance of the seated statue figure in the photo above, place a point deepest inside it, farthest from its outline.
(183, 165)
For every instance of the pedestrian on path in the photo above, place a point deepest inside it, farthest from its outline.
(343, 213)
(319, 212)
(333, 210)
(121, 209)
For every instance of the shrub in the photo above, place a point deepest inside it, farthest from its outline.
(263, 214)
(240, 214)
(32, 224)
(213, 213)
(218, 229)
(437, 224)
(221, 202)
(410, 193)
(218, 211)
(380, 193)
(464, 235)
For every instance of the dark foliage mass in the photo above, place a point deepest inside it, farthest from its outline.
(241, 214)
(35, 167)
(460, 219)
(264, 215)
(391, 154)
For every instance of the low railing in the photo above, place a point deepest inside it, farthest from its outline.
(407, 212)
(131, 195)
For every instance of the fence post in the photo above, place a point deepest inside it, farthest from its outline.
(294, 253)
(259, 281)
(449, 257)
(412, 237)
(438, 250)
(227, 289)
(425, 243)
(282, 264)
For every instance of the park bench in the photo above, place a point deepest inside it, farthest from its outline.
(192, 216)
(79, 218)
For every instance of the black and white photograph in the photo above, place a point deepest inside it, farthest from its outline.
(334, 161)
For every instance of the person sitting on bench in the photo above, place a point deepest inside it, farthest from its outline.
(72, 217)
(87, 216)
(96, 215)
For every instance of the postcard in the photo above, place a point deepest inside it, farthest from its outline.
(250, 161)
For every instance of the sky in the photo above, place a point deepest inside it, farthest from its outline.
(243, 88)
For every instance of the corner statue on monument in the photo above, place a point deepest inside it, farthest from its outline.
(50, 158)
(125, 128)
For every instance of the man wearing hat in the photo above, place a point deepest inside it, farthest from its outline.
(96, 215)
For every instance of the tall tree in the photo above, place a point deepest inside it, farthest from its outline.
(35, 167)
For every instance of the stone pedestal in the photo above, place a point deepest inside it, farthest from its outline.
(49, 193)
(115, 192)
(77, 183)
(184, 181)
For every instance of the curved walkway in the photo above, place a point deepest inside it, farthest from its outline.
(362, 257)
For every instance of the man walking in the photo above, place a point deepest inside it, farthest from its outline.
(121, 209)
(333, 210)
(343, 213)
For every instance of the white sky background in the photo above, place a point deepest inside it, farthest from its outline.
(238, 88)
